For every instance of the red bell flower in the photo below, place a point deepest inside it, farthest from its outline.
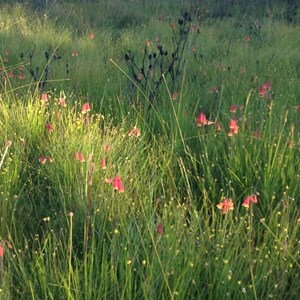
(247, 38)
(160, 229)
(49, 127)
(85, 108)
(265, 89)
(1, 250)
(226, 205)
(43, 160)
(103, 163)
(44, 97)
(134, 131)
(249, 199)
(201, 119)
(117, 183)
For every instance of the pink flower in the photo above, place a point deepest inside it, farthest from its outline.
(103, 163)
(262, 91)
(201, 119)
(1, 250)
(49, 127)
(218, 126)
(43, 160)
(62, 101)
(92, 36)
(247, 38)
(265, 89)
(85, 108)
(226, 205)
(117, 183)
(148, 43)
(233, 127)
(235, 107)
(76, 155)
(249, 199)
(160, 229)
(22, 76)
(81, 157)
(50, 159)
(233, 124)
(10, 74)
(134, 131)
(44, 97)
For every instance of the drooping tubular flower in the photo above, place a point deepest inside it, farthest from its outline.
(233, 127)
(103, 163)
(226, 205)
(160, 229)
(249, 199)
(265, 89)
(1, 250)
(201, 119)
(134, 131)
(117, 183)
(43, 160)
(85, 108)
(49, 127)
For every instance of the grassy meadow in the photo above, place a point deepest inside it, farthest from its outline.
(149, 149)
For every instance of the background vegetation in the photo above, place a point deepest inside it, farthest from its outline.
(227, 127)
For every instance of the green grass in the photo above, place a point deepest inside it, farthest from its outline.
(65, 231)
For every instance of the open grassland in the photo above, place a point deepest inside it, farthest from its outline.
(114, 185)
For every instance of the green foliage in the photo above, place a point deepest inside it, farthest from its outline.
(66, 229)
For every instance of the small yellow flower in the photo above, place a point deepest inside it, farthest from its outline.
(144, 262)
(116, 231)
(129, 262)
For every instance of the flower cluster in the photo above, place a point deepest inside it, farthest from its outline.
(202, 120)
(227, 204)
(116, 183)
(235, 107)
(265, 89)
(79, 156)
(44, 159)
(249, 199)
(1, 251)
(233, 127)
